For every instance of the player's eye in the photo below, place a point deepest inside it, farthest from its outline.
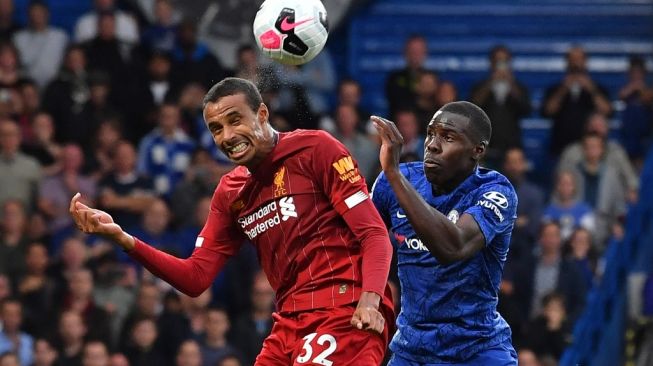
(235, 121)
(448, 138)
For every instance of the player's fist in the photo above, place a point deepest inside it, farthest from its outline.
(367, 315)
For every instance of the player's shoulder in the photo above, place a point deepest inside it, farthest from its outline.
(234, 179)
(411, 170)
(307, 136)
(495, 185)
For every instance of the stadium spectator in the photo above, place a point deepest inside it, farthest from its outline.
(100, 158)
(174, 326)
(350, 93)
(95, 353)
(124, 192)
(582, 251)
(13, 239)
(98, 108)
(248, 66)
(44, 353)
(192, 60)
(425, 105)
(65, 96)
(155, 87)
(72, 256)
(160, 35)
(114, 291)
(21, 174)
(8, 24)
(30, 104)
(547, 270)
(189, 354)
(118, 359)
(55, 190)
(214, 344)
(9, 359)
(147, 305)
(165, 153)
(362, 148)
(530, 201)
(12, 338)
(446, 93)
(199, 181)
(10, 67)
(400, 84)
(572, 100)
(106, 52)
(195, 310)
(567, 207)
(80, 299)
(251, 328)
(316, 80)
(41, 46)
(600, 186)
(36, 290)
(550, 332)
(192, 226)
(637, 116)
(43, 146)
(155, 226)
(505, 100)
(5, 287)
(86, 27)
(526, 357)
(143, 350)
(229, 360)
(409, 127)
(614, 155)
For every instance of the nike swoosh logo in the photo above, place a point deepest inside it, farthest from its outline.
(285, 26)
(400, 216)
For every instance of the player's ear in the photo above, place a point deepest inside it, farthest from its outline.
(263, 114)
(479, 150)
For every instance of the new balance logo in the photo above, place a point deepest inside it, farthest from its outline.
(287, 206)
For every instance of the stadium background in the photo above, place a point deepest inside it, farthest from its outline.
(138, 319)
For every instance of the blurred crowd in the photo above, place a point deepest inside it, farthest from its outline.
(113, 111)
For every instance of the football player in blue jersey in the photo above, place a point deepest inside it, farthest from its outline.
(453, 220)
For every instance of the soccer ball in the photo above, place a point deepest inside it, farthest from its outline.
(291, 32)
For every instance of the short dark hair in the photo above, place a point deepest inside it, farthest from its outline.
(480, 124)
(232, 86)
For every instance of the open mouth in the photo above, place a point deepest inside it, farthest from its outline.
(238, 151)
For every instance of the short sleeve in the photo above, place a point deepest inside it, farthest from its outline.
(380, 197)
(495, 209)
(337, 174)
(220, 232)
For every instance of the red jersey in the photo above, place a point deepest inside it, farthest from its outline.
(291, 210)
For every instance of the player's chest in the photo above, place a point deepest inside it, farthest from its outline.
(287, 202)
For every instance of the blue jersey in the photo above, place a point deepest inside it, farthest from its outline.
(448, 312)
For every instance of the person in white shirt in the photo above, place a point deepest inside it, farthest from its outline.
(126, 26)
(41, 46)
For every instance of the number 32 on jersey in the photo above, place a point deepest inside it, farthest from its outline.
(324, 340)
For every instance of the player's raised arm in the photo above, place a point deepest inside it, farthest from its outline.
(191, 276)
(447, 241)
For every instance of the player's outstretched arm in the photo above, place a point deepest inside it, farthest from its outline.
(448, 242)
(191, 276)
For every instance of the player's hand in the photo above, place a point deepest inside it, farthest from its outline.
(367, 315)
(391, 143)
(93, 221)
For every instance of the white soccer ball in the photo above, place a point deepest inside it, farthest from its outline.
(291, 32)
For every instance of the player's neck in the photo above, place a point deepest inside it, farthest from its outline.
(450, 185)
(270, 142)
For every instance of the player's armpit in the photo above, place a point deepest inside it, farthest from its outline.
(192, 275)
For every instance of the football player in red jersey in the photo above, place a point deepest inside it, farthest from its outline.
(299, 198)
